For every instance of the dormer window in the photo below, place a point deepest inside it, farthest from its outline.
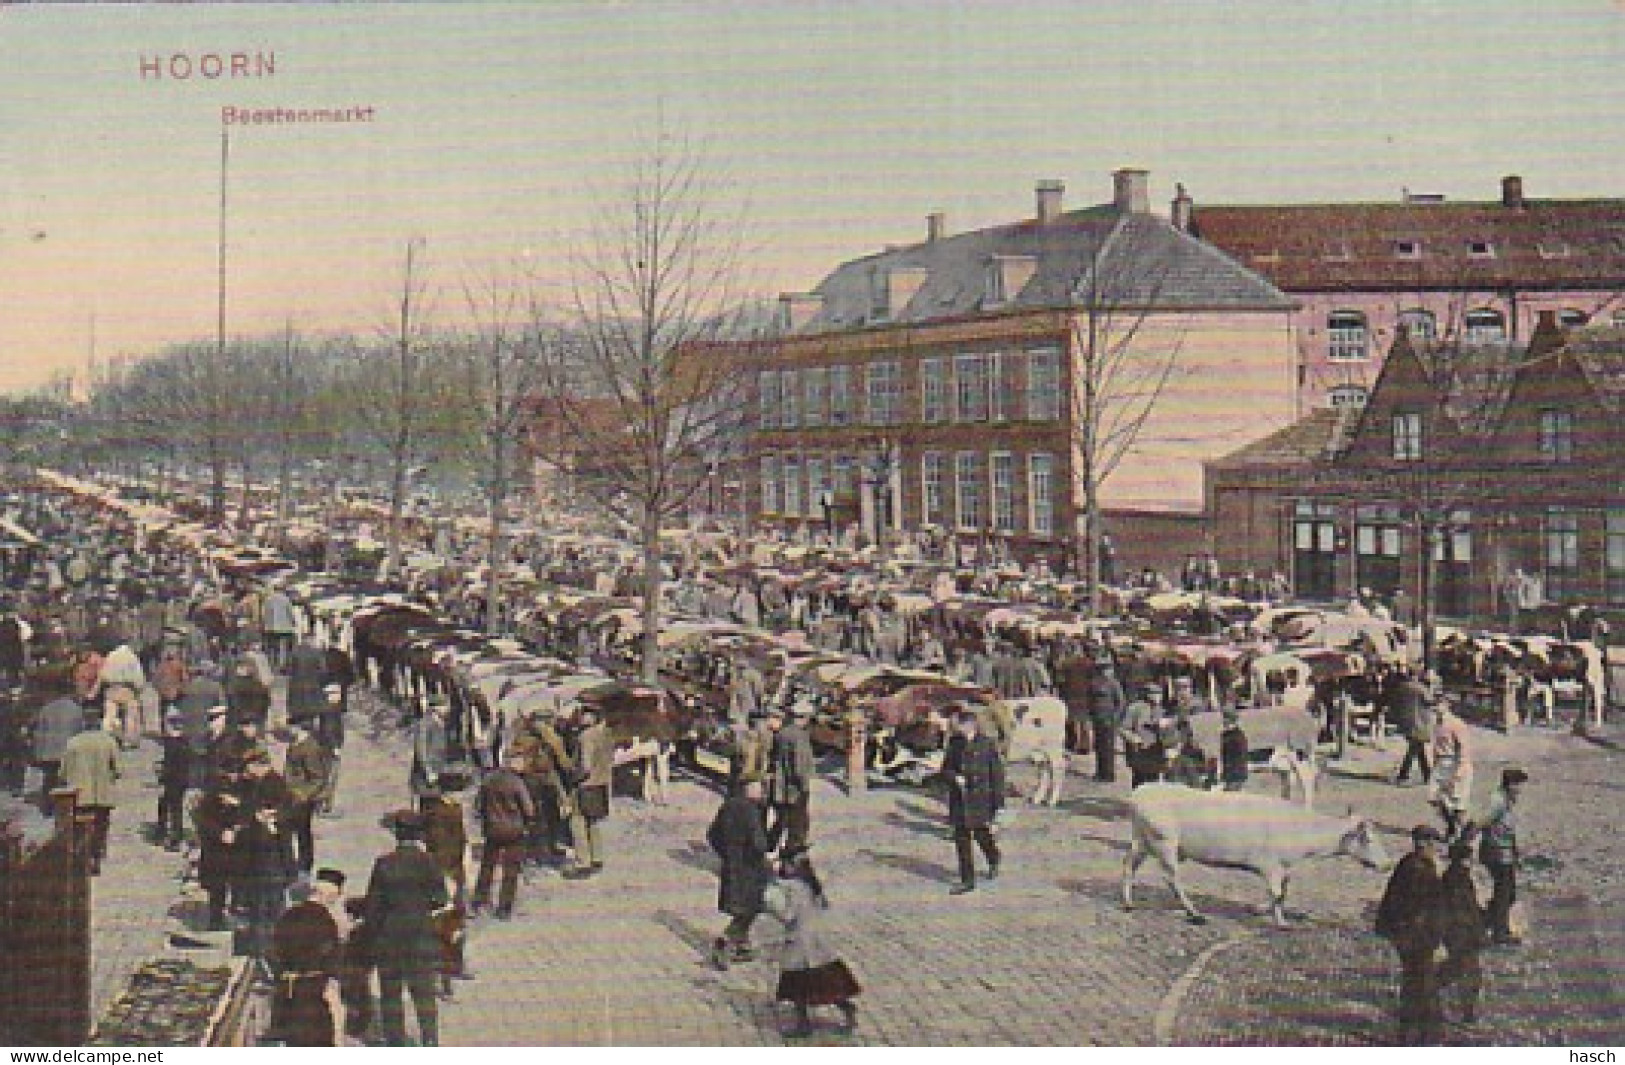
(1552, 249)
(1407, 249)
(1556, 435)
(1007, 275)
(1570, 318)
(1480, 249)
(1485, 326)
(1337, 253)
(1346, 335)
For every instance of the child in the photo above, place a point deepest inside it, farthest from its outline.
(809, 972)
(1461, 921)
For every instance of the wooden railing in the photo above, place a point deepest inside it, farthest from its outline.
(45, 933)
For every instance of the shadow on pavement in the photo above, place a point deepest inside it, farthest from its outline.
(919, 867)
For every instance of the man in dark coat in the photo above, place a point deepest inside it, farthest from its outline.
(403, 895)
(738, 834)
(218, 817)
(1107, 705)
(975, 775)
(305, 950)
(264, 865)
(789, 780)
(175, 777)
(1072, 682)
(1413, 718)
(506, 811)
(307, 678)
(309, 772)
(247, 696)
(1408, 917)
(59, 721)
(1462, 928)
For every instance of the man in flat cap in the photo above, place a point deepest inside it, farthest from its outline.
(403, 895)
(1409, 918)
(789, 779)
(1498, 851)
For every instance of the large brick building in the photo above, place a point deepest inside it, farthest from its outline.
(1473, 271)
(928, 385)
(1507, 457)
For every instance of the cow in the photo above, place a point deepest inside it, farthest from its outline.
(1237, 830)
(1040, 737)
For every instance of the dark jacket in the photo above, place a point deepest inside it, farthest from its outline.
(738, 834)
(249, 699)
(175, 771)
(1106, 700)
(444, 835)
(789, 765)
(215, 814)
(1409, 911)
(307, 676)
(265, 843)
(1461, 918)
(1233, 756)
(309, 766)
(505, 807)
(975, 803)
(405, 889)
(1072, 680)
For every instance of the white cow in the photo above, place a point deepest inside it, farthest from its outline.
(1237, 830)
(1040, 737)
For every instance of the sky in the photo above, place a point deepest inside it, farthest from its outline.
(835, 128)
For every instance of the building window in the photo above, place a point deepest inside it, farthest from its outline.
(879, 295)
(1480, 249)
(968, 486)
(840, 395)
(1347, 396)
(1407, 249)
(789, 399)
(1003, 466)
(970, 388)
(1552, 249)
(996, 289)
(819, 488)
(1562, 553)
(792, 487)
(770, 484)
(1044, 385)
(1001, 404)
(933, 470)
(1570, 318)
(1407, 436)
(1346, 335)
(1556, 435)
(767, 399)
(846, 476)
(933, 390)
(1614, 554)
(1420, 324)
(884, 391)
(1041, 494)
(1485, 326)
(815, 380)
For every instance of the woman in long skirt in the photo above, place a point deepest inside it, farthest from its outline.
(810, 973)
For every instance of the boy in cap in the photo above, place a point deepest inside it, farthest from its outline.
(1461, 926)
(1498, 850)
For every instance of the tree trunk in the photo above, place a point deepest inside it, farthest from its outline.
(397, 506)
(651, 595)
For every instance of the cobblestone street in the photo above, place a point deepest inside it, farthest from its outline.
(1046, 956)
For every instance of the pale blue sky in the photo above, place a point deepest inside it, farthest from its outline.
(841, 124)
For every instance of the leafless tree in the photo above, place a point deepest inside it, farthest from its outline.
(642, 400)
(500, 380)
(391, 387)
(1119, 373)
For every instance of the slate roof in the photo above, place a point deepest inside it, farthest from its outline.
(1144, 262)
(1309, 439)
(1546, 244)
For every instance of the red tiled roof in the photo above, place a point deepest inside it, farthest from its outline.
(1546, 244)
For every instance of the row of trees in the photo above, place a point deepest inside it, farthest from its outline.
(627, 367)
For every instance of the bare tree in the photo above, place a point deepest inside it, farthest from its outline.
(391, 387)
(1117, 375)
(501, 379)
(642, 397)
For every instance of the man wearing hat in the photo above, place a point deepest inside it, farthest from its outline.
(1142, 740)
(975, 775)
(1409, 918)
(546, 768)
(1233, 749)
(1461, 926)
(1498, 850)
(431, 745)
(174, 776)
(505, 810)
(404, 893)
(309, 772)
(90, 767)
(789, 778)
(595, 757)
(306, 954)
(263, 850)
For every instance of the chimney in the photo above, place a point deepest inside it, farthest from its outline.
(1512, 192)
(1180, 211)
(936, 226)
(1547, 337)
(1049, 195)
(1130, 193)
